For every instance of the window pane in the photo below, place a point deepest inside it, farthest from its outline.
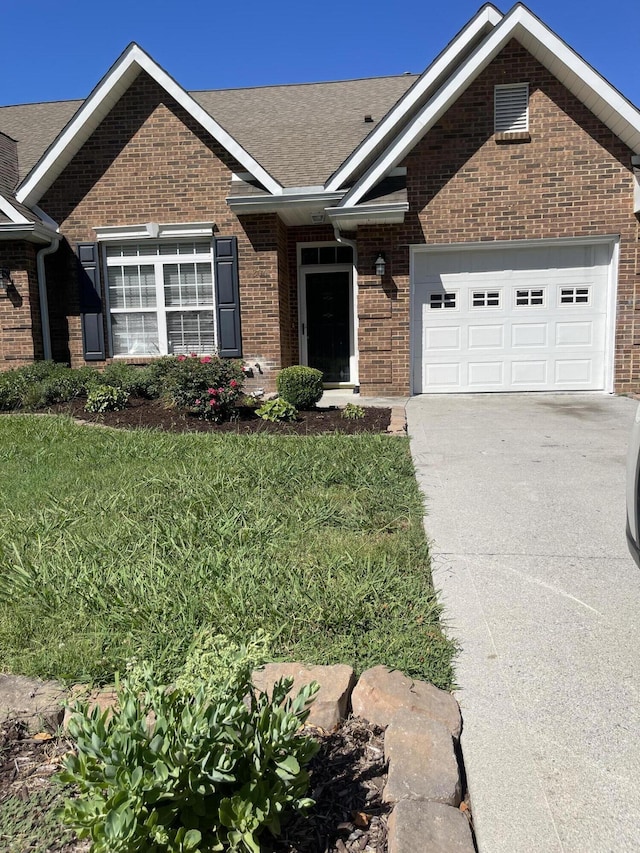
(327, 254)
(135, 334)
(190, 331)
(132, 287)
(116, 287)
(188, 284)
(309, 256)
(344, 255)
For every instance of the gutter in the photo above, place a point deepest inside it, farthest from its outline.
(274, 204)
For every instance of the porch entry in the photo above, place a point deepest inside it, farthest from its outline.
(326, 312)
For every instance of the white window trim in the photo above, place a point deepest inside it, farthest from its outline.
(153, 231)
(504, 88)
(160, 309)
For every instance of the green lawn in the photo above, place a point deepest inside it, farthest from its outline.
(119, 544)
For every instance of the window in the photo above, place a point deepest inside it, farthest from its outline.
(161, 297)
(485, 299)
(511, 108)
(574, 295)
(530, 296)
(312, 255)
(442, 300)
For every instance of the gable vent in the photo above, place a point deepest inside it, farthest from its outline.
(511, 108)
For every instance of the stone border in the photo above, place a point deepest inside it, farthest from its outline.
(423, 725)
(398, 422)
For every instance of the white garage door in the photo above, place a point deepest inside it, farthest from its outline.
(510, 319)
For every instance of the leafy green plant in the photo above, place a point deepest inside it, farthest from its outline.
(217, 659)
(169, 771)
(301, 386)
(132, 378)
(28, 821)
(352, 412)
(106, 398)
(277, 410)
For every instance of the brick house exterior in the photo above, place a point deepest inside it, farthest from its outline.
(418, 165)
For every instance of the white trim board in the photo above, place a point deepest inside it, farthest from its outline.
(14, 215)
(99, 103)
(618, 114)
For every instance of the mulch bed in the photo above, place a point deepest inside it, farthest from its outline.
(154, 414)
(347, 778)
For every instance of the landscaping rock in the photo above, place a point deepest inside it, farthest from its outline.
(332, 700)
(38, 703)
(381, 692)
(415, 825)
(422, 761)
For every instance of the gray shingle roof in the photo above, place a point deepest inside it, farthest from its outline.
(299, 133)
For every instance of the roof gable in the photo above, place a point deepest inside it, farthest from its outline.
(97, 106)
(566, 65)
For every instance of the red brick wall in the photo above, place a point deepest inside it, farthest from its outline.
(571, 180)
(149, 161)
(20, 325)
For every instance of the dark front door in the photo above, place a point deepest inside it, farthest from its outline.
(329, 324)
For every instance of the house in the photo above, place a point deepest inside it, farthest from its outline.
(474, 228)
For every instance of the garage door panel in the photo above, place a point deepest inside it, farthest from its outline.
(486, 337)
(516, 319)
(525, 335)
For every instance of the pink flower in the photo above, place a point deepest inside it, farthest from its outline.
(214, 403)
(233, 383)
(205, 359)
(182, 358)
(197, 402)
(211, 391)
(193, 355)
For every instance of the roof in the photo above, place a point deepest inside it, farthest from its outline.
(306, 116)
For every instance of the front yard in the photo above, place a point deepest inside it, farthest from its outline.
(120, 545)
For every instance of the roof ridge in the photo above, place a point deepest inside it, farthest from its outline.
(40, 103)
(307, 83)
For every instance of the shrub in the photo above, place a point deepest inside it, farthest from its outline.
(301, 386)
(64, 383)
(352, 412)
(13, 385)
(106, 398)
(42, 383)
(208, 385)
(277, 410)
(212, 772)
(131, 378)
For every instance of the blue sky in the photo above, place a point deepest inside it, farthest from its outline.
(60, 50)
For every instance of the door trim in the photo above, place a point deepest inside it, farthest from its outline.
(353, 313)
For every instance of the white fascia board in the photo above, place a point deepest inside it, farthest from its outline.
(153, 230)
(526, 28)
(487, 17)
(9, 210)
(274, 204)
(97, 106)
(32, 232)
(51, 223)
(367, 214)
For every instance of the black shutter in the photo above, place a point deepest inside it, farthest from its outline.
(227, 297)
(90, 292)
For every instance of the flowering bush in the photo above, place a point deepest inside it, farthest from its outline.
(208, 385)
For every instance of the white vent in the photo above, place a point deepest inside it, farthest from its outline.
(511, 108)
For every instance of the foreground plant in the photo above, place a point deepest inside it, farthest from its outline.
(169, 771)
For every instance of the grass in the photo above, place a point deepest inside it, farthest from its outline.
(117, 545)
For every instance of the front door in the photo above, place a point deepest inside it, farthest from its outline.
(328, 323)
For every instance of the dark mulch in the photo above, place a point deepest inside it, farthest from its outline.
(347, 778)
(154, 414)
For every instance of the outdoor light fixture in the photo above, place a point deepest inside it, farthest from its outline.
(5, 278)
(380, 264)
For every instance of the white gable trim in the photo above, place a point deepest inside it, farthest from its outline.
(579, 77)
(487, 17)
(9, 210)
(98, 105)
(154, 231)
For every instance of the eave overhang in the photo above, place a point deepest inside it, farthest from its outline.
(292, 208)
(31, 232)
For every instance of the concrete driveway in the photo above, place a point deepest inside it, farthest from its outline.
(525, 513)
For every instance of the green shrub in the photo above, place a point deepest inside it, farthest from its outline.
(208, 385)
(133, 379)
(42, 383)
(13, 385)
(277, 410)
(106, 398)
(64, 383)
(212, 772)
(352, 412)
(301, 386)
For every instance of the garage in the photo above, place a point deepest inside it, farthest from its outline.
(516, 316)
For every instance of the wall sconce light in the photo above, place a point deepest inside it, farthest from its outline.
(5, 279)
(380, 264)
